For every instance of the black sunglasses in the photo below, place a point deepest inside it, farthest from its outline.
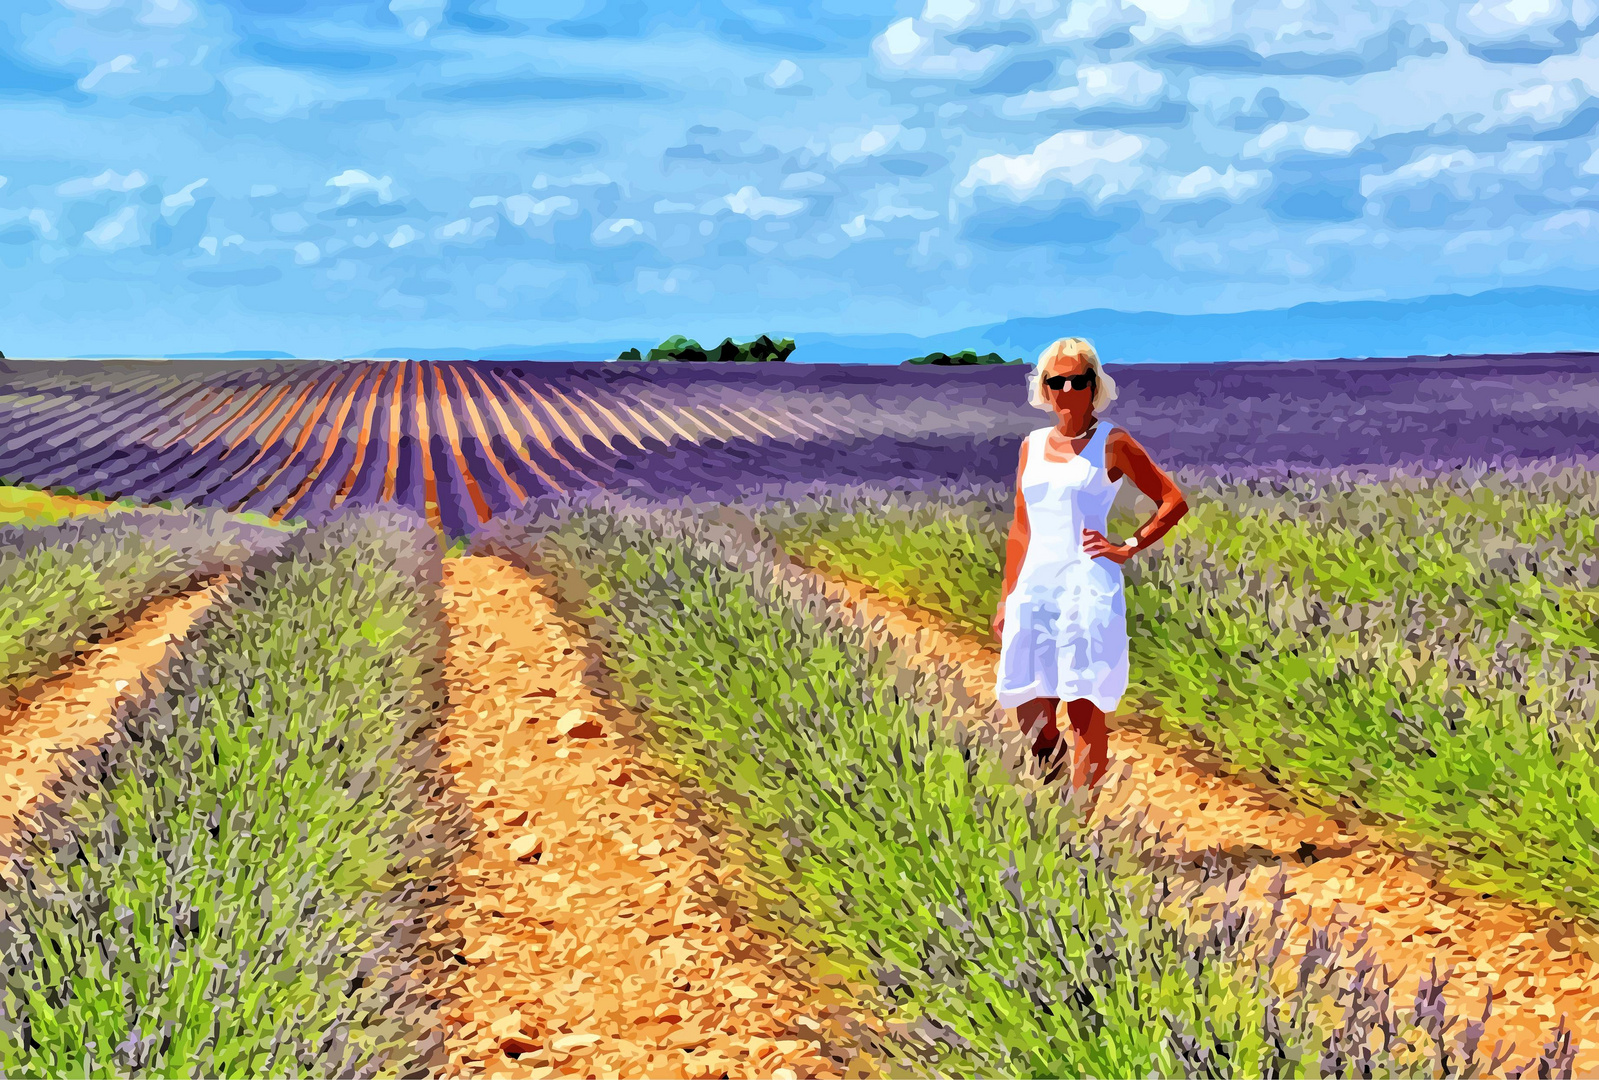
(1079, 382)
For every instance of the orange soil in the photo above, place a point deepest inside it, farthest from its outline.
(597, 937)
(564, 406)
(233, 417)
(663, 416)
(307, 429)
(1541, 967)
(692, 415)
(171, 408)
(363, 437)
(481, 430)
(282, 425)
(76, 708)
(262, 417)
(635, 417)
(430, 483)
(512, 432)
(557, 418)
(330, 445)
(391, 470)
(205, 410)
(510, 387)
(620, 426)
(452, 434)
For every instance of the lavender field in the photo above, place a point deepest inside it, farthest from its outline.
(462, 442)
(402, 737)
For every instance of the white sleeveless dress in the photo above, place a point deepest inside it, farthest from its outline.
(1065, 633)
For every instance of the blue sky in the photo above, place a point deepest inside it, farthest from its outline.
(326, 177)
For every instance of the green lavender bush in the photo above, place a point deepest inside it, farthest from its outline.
(1420, 648)
(235, 898)
(897, 834)
(75, 582)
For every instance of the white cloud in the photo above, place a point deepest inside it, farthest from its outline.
(524, 208)
(1568, 225)
(273, 92)
(418, 16)
(953, 14)
(1479, 238)
(1591, 166)
(587, 178)
(1293, 27)
(752, 204)
(1523, 20)
(118, 231)
(40, 220)
(2, 181)
(208, 244)
(1543, 103)
(1127, 85)
(618, 231)
(858, 144)
(353, 182)
(465, 229)
(289, 221)
(1279, 139)
(1205, 180)
(784, 75)
(113, 66)
(1100, 163)
(1421, 170)
(858, 227)
(106, 181)
(905, 47)
(402, 236)
(181, 198)
(1461, 170)
(306, 253)
(166, 12)
(653, 281)
(261, 191)
(667, 206)
(802, 181)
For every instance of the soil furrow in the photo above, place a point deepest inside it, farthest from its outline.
(598, 937)
(1540, 966)
(80, 706)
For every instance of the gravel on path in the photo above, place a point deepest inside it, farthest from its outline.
(597, 938)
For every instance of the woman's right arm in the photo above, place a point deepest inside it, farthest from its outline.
(1015, 545)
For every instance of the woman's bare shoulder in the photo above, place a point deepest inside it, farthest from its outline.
(1120, 440)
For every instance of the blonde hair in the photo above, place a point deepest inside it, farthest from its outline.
(1104, 385)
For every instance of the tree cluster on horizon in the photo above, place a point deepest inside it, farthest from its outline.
(677, 347)
(965, 358)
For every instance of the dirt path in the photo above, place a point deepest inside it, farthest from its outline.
(1540, 966)
(597, 938)
(77, 709)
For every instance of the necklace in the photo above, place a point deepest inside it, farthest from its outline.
(1080, 434)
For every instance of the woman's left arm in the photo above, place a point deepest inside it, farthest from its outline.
(1122, 452)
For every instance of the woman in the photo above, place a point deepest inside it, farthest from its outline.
(1062, 619)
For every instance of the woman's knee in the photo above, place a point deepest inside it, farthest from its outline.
(1085, 714)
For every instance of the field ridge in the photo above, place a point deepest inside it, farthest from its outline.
(597, 935)
(1541, 967)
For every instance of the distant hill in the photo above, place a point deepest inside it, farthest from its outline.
(1519, 320)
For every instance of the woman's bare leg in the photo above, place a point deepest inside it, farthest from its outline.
(1090, 742)
(1038, 716)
